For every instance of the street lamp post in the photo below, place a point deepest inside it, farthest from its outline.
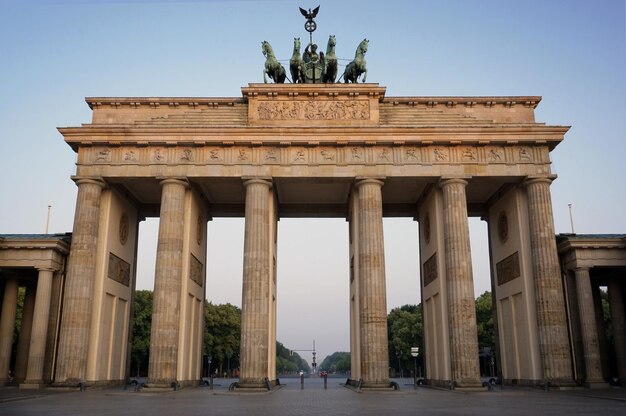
(415, 351)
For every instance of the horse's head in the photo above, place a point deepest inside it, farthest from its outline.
(296, 44)
(265, 47)
(331, 41)
(363, 45)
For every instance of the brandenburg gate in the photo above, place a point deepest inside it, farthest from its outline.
(314, 150)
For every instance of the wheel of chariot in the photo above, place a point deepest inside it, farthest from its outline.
(310, 26)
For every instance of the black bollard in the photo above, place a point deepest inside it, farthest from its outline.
(325, 381)
(211, 382)
(301, 381)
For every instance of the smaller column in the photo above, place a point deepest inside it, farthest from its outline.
(593, 366)
(618, 319)
(7, 323)
(23, 344)
(37, 350)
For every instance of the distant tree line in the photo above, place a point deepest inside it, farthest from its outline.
(222, 334)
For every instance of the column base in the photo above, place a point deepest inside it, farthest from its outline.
(32, 385)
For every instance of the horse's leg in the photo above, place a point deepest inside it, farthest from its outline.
(365, 76)
(265, 75)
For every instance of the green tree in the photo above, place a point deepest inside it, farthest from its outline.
(222, 333)
(142, 320)
(337, 362)
(484, 322)
(288, 361)
(404, 331)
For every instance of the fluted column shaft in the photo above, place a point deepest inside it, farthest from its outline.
(618, 320)
(81, 271)
(460, 287)
(23, 343)
(593, 365)
(554, 347)
(255, 308)
(167, 285)
(7, 322)
(373, 295)
(39, 332)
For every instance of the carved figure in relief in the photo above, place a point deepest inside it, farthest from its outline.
(439, 154)
(327, 155)
(272, 68)
(494, 155)
(384, 155)
(523, 154)
(358, 66)
(214, 154)
(355, 153)
(158, 156)
(296, 64)
(410, 153)
(186, 155)
(299, 156)
(270, 155)
(243, 155)
(103, 155)
(469, 153)
(130, 155)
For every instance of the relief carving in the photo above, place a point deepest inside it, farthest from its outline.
(103, 155)
(384, 155)
(270, 155)
(195, 270)
(214, 154)
(119, 270)
(430, 270)
(469, 154)
(440, 154)
(243, 155)
(411, 154)
(355, 153)
(158, 155)
(327, 155)
(524, 154)
(130, 156)
(494, 155)
(186, 155)
(508, 269)
(313, 110)
(300, 156)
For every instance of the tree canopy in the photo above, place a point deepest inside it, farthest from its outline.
(337, 362)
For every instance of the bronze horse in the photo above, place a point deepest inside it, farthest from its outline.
(330, 72)
(273, 68)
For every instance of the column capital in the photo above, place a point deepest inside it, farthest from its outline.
(538, 179)
(582, 269)
(83, 180)
(173, 180)
(47, 269)
(362, 180)
(444, 181)
(263, 180)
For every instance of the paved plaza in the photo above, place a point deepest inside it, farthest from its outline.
(291, 400)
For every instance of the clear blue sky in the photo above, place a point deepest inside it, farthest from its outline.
(54, 53)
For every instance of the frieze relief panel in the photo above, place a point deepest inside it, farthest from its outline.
(370, 154)
(313, 110)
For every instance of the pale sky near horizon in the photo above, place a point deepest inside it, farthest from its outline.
(54, 53)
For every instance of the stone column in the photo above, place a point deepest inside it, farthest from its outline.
(7, 323)
(373, 295)
(554, 347)
(23, 343)
(593, 366)
(39, 332)
(618, 319)
(464, 362)
(602, 340)
(255, 308)
(81, 271)
(167, 285)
